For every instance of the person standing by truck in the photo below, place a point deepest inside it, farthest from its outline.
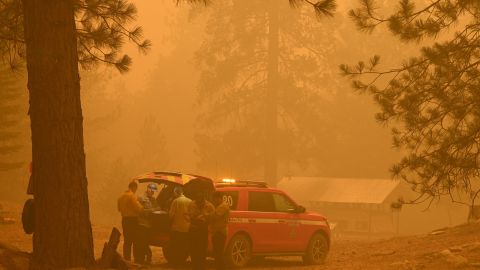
(218, 228)
(199, 211)
(166, 196)
(180, 225)
(130, 209)
(149, 205)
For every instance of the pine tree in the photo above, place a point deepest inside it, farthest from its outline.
(432, 100)
(54, 36)
(151, 146)
(260, 87)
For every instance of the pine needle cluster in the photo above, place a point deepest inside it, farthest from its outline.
(433, 99)
(103, 28)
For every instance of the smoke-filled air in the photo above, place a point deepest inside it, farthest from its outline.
(239, 134)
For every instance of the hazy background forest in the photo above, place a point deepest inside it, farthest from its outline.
(165, 115)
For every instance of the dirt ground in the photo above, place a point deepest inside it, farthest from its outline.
(448, 248)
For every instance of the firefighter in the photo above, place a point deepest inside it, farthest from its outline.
(199, 211)
(149, 204)
(180, 225)
(165, 197)
(130, 209)
(218, 228)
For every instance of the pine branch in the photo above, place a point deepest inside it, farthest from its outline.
(433, 98)
(103, 27)
(322, 8)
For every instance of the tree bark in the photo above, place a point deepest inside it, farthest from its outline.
(63, 233)
(271, 138)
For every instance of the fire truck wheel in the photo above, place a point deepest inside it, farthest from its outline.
(317, 250)
(238, 251)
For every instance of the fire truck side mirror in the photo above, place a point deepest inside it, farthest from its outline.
(300, 209)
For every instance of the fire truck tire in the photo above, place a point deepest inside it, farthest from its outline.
(239, 251)
(317, 250)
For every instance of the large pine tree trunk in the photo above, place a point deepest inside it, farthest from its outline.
(63, 234)
(271, 140)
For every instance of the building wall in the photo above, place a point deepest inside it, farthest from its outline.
(381, 221)
(415, 219)
(357, 220)
(426, 217)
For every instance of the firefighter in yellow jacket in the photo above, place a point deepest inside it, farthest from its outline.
(219, 228)
(130, 209)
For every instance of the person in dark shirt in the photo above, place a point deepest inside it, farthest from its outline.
(165, 197)
(149, 204)
(199, 211)
(219, 228)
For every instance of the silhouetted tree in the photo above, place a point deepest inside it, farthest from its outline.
(115, 172)
(151, 143)
(261, 84)
(432, 99)
(54, 37)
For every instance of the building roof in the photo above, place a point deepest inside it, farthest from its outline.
(338, 190)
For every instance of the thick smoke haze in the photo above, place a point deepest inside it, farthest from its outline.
(148, 118)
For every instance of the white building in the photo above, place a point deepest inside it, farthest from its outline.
(363, 207)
